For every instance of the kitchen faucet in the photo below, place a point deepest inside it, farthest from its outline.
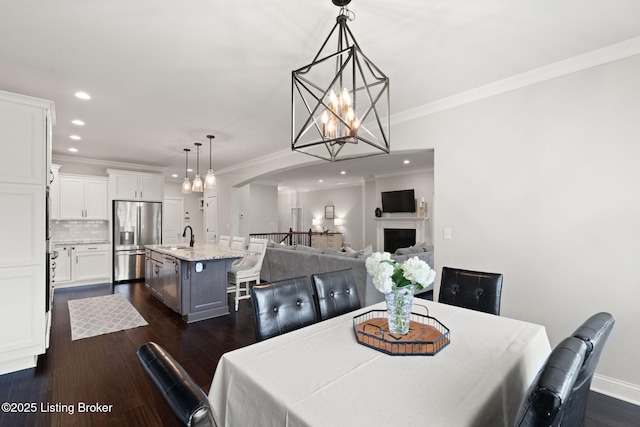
(184, 234)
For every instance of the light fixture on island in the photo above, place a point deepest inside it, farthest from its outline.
(197, 180)
(343, 99)
(186, 184)
(210, 179)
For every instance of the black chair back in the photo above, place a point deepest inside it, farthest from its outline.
(547, 399)
(471, 289)
(594, 332)
(187, 400)
(336, 293)
(282, 306)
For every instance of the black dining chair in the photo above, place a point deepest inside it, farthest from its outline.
(546, 401)
(471, 289)
(282, 306)
(336, 293)
(594, 332)
(550, 405)
(178, 390)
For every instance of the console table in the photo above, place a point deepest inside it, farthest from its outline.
(327, 241)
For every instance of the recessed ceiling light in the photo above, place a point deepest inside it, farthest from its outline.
(406, 162)
(76, 137)
(73, 150)
(175, 175)
(342, 172)
(320, 180)
(189, 170)
(77, 122)
(82, 95)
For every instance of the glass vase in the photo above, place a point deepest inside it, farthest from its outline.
(399, 302)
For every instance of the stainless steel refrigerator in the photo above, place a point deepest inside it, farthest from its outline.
(135, 224)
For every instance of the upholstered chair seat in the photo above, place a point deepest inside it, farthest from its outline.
(246, 270)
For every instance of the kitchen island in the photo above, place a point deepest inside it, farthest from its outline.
(192, 281)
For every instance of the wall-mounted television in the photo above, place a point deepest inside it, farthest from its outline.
(398, 201)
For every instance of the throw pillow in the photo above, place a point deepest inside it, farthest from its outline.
(409, 250)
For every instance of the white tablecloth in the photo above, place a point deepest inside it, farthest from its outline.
(321, 376)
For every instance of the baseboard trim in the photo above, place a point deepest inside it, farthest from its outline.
(615, 388)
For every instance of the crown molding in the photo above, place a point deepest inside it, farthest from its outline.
(577, 63)
(324, 187)
(400, 172)
(108, 164)
(259, 161)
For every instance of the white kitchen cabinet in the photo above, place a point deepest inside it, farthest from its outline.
(91, 262)
(83, 197)
(24, 172)
(23, 136)
(82, 264)
(127, 185)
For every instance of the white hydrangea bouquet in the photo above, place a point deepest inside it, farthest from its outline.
(398, 282)
(387, 273)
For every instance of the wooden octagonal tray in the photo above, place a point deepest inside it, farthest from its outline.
(426, 336)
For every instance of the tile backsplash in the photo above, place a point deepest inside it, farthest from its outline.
(79, 231)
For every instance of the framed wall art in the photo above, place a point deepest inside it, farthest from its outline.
(328, 212)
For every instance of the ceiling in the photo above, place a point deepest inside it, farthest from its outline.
(164, 74)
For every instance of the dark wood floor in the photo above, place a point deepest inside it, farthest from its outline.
(105, 369)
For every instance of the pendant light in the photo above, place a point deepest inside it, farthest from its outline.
(186, 185)
(340, 101)
(210, 179)
(197, 180)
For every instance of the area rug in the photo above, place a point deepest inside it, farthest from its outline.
(102, 315)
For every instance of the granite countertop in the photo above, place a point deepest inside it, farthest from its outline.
(199, 252)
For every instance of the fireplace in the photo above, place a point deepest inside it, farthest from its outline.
(418, 227)
(395, 238)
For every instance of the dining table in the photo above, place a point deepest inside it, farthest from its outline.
(321, 375)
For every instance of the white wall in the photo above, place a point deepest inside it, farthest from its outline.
(257, 209)
(347, 202)
(263, 208)
(540, 183)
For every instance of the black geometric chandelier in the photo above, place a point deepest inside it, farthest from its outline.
(340, 101)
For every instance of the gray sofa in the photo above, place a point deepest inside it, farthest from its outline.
(286, 262)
